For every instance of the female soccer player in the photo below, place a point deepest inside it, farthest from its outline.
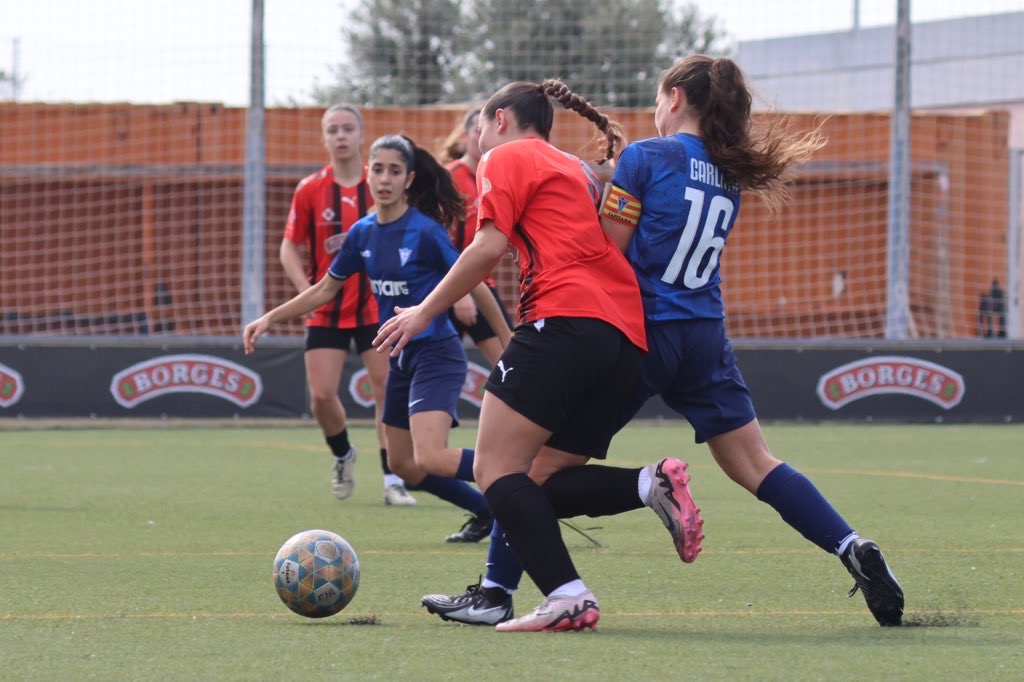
(324, 208)
(559, 388)
(405, 251)
(706, 153)
(462, 150)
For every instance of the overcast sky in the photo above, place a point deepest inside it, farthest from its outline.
(172, 50)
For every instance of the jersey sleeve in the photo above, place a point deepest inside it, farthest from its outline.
(625, 198)
(348, 261)
(504, 185)
(442, 252)
(296, 229)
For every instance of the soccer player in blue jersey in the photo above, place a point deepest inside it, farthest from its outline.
(672, 202)
(405, 251)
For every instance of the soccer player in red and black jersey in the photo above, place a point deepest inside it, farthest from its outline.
(556, 393)
(462, 148)
(325, 205)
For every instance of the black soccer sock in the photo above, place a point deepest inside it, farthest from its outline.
(384, 462)
(338, 443)
(593, 490)
(531, 530)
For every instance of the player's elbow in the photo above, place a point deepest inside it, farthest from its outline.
(488, 245)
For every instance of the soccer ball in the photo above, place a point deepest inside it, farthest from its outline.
(316, 573)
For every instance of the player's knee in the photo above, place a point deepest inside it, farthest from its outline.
(321, 402)
(429, 460)
(405, 469)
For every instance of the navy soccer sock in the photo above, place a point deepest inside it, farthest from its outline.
(503, 567)
(459, 493)
(531, 529)
(800, 505)
(465, 470)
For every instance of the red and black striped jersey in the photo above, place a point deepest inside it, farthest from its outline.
(465, 181)
(321, 214)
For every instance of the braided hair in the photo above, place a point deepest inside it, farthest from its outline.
(532, 108)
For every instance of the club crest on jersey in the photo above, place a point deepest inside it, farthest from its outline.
(887, 375)
(327, 214)
(403, 255)
(333, 243)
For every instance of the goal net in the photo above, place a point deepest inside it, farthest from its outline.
(123, 147)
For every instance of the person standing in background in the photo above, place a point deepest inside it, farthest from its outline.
(404, 249)
(325, 206)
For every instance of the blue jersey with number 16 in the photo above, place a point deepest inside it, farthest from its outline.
(683, 210)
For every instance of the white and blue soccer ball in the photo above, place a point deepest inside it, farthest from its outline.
(316, 573)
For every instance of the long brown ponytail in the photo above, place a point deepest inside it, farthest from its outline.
(758, 156)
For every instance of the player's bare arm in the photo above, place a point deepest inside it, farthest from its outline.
(620, 233)
(293, 264)
(307, 301)
(465, 310)
(488, 307)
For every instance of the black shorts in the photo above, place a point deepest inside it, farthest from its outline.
(481, 330)
(341, 339)
(572, 376)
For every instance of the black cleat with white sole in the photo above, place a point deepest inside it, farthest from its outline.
(476, 606)
(883, 594)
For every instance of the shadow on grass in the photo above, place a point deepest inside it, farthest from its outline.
(939, 619)
(337, 622)
(873, 636)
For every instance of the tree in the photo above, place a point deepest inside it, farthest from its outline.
(611, 51)
(399, 53)
(429, 51)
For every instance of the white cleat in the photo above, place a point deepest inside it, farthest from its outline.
(397, 496)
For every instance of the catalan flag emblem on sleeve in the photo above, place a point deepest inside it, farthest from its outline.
(621, 206)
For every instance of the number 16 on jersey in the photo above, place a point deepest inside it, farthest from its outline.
(698, 263)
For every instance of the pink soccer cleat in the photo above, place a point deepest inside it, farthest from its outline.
(557, 614)
(671, 500)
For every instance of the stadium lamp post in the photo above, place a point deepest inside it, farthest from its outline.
(254, 209)
(898, 322)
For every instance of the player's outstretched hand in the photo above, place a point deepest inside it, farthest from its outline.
(253, 331)
(397, 332)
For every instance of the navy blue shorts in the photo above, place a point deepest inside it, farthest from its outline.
(426, 376)
(690, 364)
